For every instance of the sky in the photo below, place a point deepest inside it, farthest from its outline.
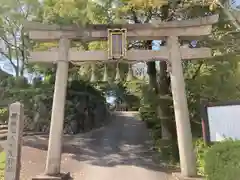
(7, 67)
(236, 3)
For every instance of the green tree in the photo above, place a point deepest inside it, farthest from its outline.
(12, 36)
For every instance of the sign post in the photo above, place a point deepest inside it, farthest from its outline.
(14, 141)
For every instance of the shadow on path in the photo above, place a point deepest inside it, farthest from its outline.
(125, 141)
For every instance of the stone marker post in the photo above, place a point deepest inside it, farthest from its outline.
(14, 141)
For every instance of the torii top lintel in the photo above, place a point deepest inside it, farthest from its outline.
(156, 30)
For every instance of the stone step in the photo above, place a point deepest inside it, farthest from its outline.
(3, 137)
(3, 131)
(3, 126)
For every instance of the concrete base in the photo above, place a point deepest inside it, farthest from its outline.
(179, 176)
(60, 177)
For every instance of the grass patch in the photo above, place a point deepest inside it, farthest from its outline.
(2, 164)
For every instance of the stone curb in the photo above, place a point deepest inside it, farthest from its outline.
(178, 176)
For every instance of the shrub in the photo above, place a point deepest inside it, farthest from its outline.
(201, 149)
(2, 164)
(3, 115)
(222, 161)
(149, 116)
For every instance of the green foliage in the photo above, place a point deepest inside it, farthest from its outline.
(148, 110)
(222, 161)
(166, 148)
(65, 12)
(125, 93)
(2, 164)
(145, 3)
(201, 149)
(12, 35)
(2, 160)
(203, 78)
(33, 95)
(150, 117)
(3, 115)
(167, 151)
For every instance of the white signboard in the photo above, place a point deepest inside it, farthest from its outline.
(224, 122)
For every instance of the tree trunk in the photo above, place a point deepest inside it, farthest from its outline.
(165, 112)
(162, 82)
(161, 86)
(151, 70)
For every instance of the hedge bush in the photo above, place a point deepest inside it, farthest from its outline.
(3, 115)
(222, 161)
(201, 149)
(2, 164)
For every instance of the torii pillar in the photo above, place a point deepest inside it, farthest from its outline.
(53, 163)
(184, 134)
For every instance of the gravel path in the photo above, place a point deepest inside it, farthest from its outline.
(116, 152)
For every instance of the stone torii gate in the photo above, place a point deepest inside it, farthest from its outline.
(117, 35)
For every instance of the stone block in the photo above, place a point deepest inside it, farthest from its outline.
(179, 176)
(46, 177)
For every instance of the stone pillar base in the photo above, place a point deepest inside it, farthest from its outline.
(46, 177)
(179, 176)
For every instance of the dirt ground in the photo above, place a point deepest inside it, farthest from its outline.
(118, 151)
